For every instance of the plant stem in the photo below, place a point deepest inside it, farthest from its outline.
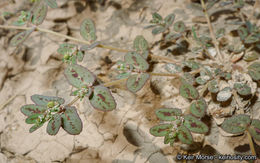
(108, 84)
(62, 35)
(212, 34)
(164, 58)
(73, 101)
(251, 143)
(163, 74)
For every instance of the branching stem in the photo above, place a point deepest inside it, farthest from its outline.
(212, 34)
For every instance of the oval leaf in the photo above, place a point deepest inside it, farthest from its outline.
(161, 130)
(136, 82)
(136, 60)
(39, 13)
(168, 114)
(198, 108)
(179, 27)
(195, 125)
(236, 124)
(35, 127)
(79, 76)
(168, 20)
(102, 99)
(140, 44)
(242, 89)
(20, 37)
(43, 100)
(184, 135)
(188, 91)
(32, 109)
(51, 3)
(213, 86)
(158, 30)
(224, 94)
(254, 129)
(88, 30)
(33, 119)
(173, 68)
(54, 125)
(71, 121)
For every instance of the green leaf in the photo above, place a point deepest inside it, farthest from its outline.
(168, 114)
(173, 68)
(213, 86)
(158, 30)
(123, 75)
(195, 125)
(88, 30)
(184, 135)
(35, 127)
(242, 32)
(39, 13)
(188, 78)
(136, 60)
(202, 79)
(161, 130)
(194, 34)
(43, 100)
(136, 82)
(236, 124)
(54, 124)
(224, 94)
(80, 56)
(102, 99)
(71, 121)
(31, 109)
(51, 3)
(170, 138)
(251, 56)
(251, 39)
(32, 119)
(156, 18)
(20, 37)
(254, 129)
(168, 20)
(179, 27)
(188, 91)
(67, 49)
(198, 108)
(254, 71)
(191, 64)
(79, 76)
(242, 89)
(141, 46)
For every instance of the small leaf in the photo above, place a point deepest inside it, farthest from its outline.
(71, 121)
(251, 56)
(79, 76)
(184, 135)
(31, 109)
(39, 13)
(136, 60)
(67, 49)
(54, 124)
(88, 30)
(179, 27)
(161, 130)
(102, 99)
(195, 125)
(43, 100)
(188, 78)
(35, 127)
(32, 119)
(224, 94)
(80, 56)
(242, 32)
(202, 79)
(236, 124)
(168, 20)
(251, 39)
(170, 138)
(191, 64)
(140, 44)
(158, 30)
(213, 86)
(20, 37)
(123, 75)
(198, 108)
(136, 82)
(188, 91)
(173, 68)
(156, 18)
(242, 89)
(168, 114)
(254, 129)
(51, 3)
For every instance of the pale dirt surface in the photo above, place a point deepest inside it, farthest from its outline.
(120, 136)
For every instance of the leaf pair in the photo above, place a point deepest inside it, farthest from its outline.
(161, 24)
(240, 123)
(99, 96)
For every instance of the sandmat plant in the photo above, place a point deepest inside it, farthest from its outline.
(220, 83)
